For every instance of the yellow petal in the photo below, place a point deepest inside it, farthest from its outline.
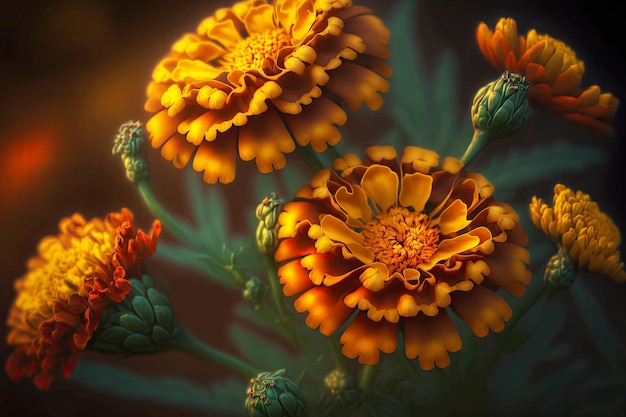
(415, 190)
(381, 185)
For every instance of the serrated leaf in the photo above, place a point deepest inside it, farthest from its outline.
(424, 106)
(190, 258)
(521, 167)
(227, 396)
(554, 388)
(604, 336)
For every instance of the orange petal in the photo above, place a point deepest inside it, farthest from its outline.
(259, 18)
(356, 85)
(178, 150)
(481, 309)
(265, 139)
(429, 339)
(365, 339)
(218, 158)
(453, 218)
(381, 185)
(415, 190)
(294, 278)
(325, 307)
(354, 203)
(161, 127)
(567, 83)
(294, 248)
(317, 124)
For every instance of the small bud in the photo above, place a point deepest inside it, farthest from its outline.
(501, 108)
(142, 323)
(343, 387)
(254, 291)
(271, 394)
(129, 143)
(560, 271)
(267, 231)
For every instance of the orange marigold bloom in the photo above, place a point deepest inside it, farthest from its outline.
(400, 241)
(257, 78)
(73, 277)
(576, 223)
(553, 71)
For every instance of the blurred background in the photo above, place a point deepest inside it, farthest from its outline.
(72, 71)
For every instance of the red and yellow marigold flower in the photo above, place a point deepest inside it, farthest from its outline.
(74, 276)
(390, 245)
(576, 223)
(258, 79)
(553, 71)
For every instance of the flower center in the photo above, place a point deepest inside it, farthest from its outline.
(251, 52)
(401, 239)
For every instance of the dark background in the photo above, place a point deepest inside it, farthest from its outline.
(72, 71)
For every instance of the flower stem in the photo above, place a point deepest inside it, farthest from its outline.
(479, 141)
(367, 377)
(279, 301)
(335, 350)
(187, 342)
(170, 223)
(310, 158)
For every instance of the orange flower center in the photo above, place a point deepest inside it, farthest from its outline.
(401, 239)
(252, 52)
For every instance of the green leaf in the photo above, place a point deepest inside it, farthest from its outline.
(227, 396)
(424, 106)
(521, 167)
(208, 210)
(552, 390)
(190, 258)
(604, 336)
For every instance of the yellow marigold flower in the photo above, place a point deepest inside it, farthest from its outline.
(576, 223)
(553, 71)
(74, 276)
(257, 79)
(401, 241)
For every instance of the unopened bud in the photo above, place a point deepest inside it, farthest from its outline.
(500, 108)
(129, 144)
(254, 291)
(561, 270)
(271, 394)
(343, 387)
(142, 323)
(267, 231)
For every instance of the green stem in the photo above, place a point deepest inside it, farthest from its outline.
(310, 158)
(546, 291)
(283, 315)
(332, 153)
(187, 342)
(163, 215)
(367, 377)
(479, 141)
(335, 350)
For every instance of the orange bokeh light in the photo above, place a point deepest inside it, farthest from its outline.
(25, 160)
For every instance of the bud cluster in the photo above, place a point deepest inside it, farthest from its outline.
(500, 108)
(129, 143)
(267, 231)
(142, 323)
(271, 394)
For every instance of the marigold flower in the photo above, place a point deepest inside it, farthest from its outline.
(74, 276)
(398, 242)
(576, 223)
(258, 78)
(552, 69)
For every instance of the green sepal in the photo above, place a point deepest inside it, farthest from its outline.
(142, 307)
(134, 323)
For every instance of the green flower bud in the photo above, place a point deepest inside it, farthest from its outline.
(142, 323)
(561, 270)
(129, 143)
(501, 108)
(343, 387)
(267, 231)
(254, 291)
(271, 394)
